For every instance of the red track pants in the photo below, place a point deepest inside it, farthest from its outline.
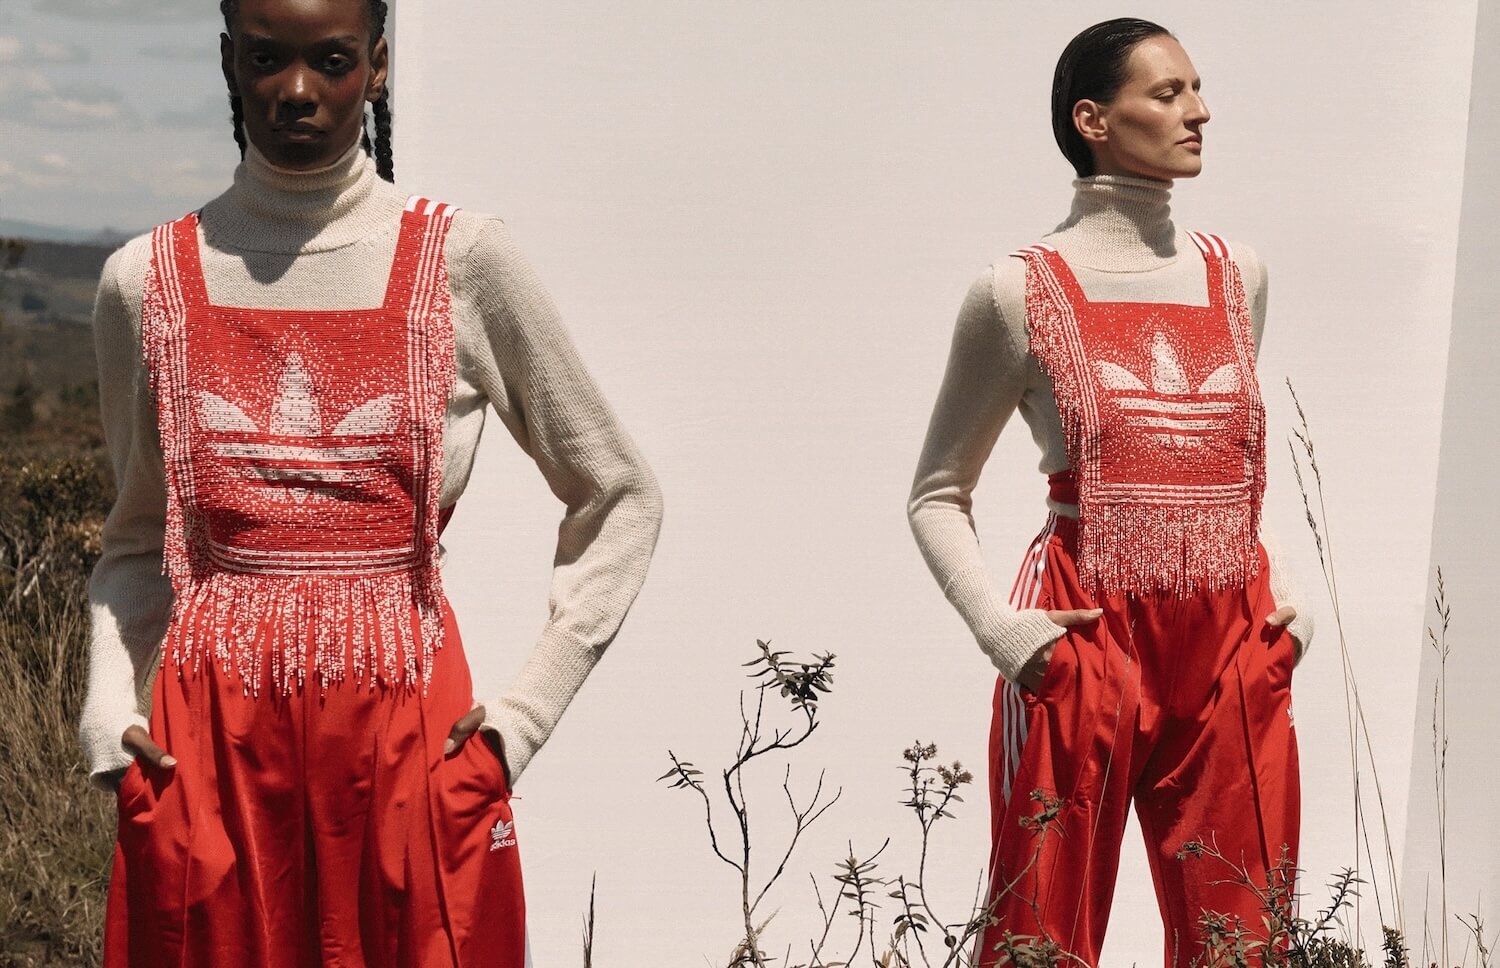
(319, 829)
(1180, 704)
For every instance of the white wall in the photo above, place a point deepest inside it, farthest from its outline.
(1466, 546)
(759, 220)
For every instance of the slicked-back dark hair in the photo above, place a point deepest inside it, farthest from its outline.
(1093, 66)
(385, 161)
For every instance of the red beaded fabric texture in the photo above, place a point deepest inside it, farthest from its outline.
(303, 458)
(1165, 427)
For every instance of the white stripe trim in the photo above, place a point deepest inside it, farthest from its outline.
(290, 571)
(1173, 406)
(316, 475)
(288, 452)
(382, 554)
(1211, 244)
(1172, 423)
(1025, 594)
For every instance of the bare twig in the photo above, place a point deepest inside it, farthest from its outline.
(1358, 727)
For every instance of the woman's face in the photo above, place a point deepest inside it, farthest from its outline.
(1153, 128)
(304, 70)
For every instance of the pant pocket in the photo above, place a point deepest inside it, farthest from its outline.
(1064, 657)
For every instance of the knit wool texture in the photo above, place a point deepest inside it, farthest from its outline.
(1121, 243)
(325, 240)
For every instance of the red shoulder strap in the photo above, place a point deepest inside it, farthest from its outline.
(182, 264)
(1049, 257)
(419, 249)
(1217, 259)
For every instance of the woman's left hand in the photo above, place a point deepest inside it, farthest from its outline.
(1282, 616)
(466, 726)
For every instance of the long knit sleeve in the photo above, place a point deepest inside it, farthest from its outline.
(524, 362)
(130, 599)
(1284, 587)
(986, 375)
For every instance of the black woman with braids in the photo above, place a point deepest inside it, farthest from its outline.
(293, 380)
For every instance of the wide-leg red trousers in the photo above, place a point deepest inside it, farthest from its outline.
(1180, 704)
(320, 829)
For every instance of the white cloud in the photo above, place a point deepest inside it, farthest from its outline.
(54, 53)
(59, 164)
(208, 112)
(50, 170)
(183, 53)
(15, 51)
(31, 97)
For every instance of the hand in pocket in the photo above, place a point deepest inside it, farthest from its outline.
(138, 742)
(468, 724)
(1035, 670)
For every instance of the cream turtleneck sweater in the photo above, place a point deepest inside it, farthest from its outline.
(325, 240)
(1121, 244)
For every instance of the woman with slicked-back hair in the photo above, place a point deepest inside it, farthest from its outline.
(293, 381)
(1146, 648)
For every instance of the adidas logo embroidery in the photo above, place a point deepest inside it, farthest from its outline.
(500, 834)
(1174, 423)
(297, 418)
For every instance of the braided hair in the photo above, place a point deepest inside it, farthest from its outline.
(385, 163)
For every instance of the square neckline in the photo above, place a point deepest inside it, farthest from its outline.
(409, 229)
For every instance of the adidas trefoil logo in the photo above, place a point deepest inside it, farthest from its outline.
(500, 834)
(297, 418)
(1181, 423)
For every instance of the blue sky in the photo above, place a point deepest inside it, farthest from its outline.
(112, 112)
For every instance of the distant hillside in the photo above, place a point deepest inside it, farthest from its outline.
(65, 260)
(47, 368)
(34, 231)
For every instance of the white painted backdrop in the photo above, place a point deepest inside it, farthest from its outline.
(759, 220)
(1466, 546)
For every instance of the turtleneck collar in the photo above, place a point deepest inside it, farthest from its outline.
(278, 210)
(1118, 224)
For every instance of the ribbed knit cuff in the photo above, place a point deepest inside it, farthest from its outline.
(1285, 592)
(1009, 637)
(1301, 631)
(526, 713)
(102, 750)
(517, 743)
(1027, 633)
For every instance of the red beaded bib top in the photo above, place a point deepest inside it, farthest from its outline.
(303, 459)
(1164, 423)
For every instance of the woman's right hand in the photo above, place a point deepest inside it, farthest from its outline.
(138, 741)
(1035, 670)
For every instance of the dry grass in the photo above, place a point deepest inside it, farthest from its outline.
(56, 833)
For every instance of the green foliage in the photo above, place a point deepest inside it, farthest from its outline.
(801, 682)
